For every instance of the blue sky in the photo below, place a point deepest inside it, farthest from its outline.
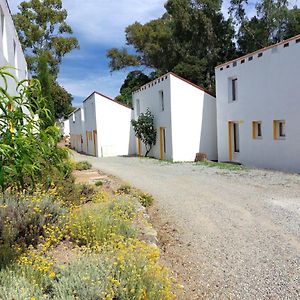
(99, 25)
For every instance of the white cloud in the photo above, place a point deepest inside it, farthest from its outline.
(104, 21)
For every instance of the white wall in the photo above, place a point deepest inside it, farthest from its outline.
(189, 117)
(66, 128)
(268, 89)
(77, 129)
(90, 117)
(113, 127)
(194, 125)
(148, 96)
(112, 122)
(11, 55)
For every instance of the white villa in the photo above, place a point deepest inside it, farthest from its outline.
(77, 129)
(184, 115)
(102, 127)
(11, 53)
(258, 108)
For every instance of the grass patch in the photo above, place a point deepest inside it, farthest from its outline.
(145, 199)
(222, 165)
(83, 165)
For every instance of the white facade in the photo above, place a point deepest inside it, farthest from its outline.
(77, 130)
(66, 128)
(258, 108)
(11, 53)
(184, 116)
(108, 130)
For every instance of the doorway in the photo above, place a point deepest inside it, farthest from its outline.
(233, 140)
(163, 149)
(95, 142)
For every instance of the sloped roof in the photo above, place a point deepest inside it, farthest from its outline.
(259, 51)
(149, 84)
(108, 98)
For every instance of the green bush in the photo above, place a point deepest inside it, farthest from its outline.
(124, 189)
(98, 183)
(83, 165)
(145, 199)
(28, 152)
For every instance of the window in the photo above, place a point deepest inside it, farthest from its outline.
(256, 130)
(164, 140)
(234, 89)
(250, 58)
(259, 55)
(279, 129)
(16, 58)
(4, 36)
(138, 108)
(161, 100)
(236, 137)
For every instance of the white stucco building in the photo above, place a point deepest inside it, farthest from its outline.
(77, 130)
(11, 53)
(184, 116)
(108, 130)
(258, 108)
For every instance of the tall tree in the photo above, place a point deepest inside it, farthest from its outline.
(273, 22)
(46, 38)
(189, 39)
(45, 79)
(42, 27)
(133, 81)
(62, 101)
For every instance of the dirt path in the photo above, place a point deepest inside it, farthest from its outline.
(229, 234)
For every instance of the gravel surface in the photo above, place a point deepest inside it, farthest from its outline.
(239, 230)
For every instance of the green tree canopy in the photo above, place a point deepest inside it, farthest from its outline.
(133, 81)
(46, 37)
(145, 130)
(274, 21)
(42, 27)
(191, 38)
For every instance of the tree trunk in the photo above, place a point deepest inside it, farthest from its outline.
(147, 151)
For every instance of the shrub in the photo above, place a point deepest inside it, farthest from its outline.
(83, 165)
(18, 285)
(128, 270)
(124, 189)
(23, 219)
(96, 224)
(101, 196)
(98, 183)
(28, 152)
(145, 199)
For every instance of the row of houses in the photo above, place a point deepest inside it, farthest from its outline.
(253, 120)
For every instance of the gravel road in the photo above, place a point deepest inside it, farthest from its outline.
(240, 230)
